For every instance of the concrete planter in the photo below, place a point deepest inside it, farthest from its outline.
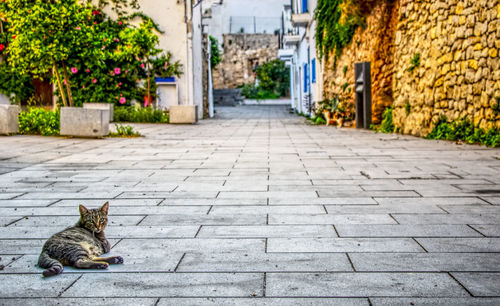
(107, 106)
(183, 114)
(4, 100)
(9, 119)
(84, 122)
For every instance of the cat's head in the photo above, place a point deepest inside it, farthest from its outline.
(94, 220)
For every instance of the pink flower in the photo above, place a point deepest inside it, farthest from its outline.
(112, 73)
(77, 28)
(94, 81)
(120, 23)
(83, 87)
(65, 82)
(74, 70)
(2, 47)
(88, 70)
(142, 66)
(118, 71)
(123, 100)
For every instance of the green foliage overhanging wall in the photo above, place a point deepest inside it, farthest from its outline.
(336, 21)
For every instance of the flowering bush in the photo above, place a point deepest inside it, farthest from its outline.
(91, 57)
(16, 86)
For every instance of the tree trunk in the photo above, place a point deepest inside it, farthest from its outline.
(68, 87)
(59, 84)
(149, 86)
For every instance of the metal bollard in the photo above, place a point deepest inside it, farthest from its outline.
(363, 85)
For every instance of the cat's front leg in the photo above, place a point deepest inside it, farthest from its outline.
(105, 243)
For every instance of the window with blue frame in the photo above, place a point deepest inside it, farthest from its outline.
(304, 6)
(306, 78)
(313, 70)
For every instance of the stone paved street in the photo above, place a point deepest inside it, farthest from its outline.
(257, 207)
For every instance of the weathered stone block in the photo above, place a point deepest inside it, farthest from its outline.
(9, 119)
(84, 122)
(107, 106)
(186, 114)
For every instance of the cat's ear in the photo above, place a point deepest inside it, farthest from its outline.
(83, 210)
(105, 207)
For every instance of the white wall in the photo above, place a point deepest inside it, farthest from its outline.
(170, 16)
(198, 58)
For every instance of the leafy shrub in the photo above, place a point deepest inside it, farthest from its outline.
(124, 131)
(387, 124)
(274, 82)
(216, 56)
(140, 114)
(463, 130)
(319, 120)
(38, 121)
(274, 77)
(336, 22)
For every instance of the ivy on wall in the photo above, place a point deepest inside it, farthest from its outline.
(336, 21)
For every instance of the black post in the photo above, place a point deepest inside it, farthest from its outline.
(363, 87)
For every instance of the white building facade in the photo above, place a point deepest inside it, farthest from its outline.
(242, 16)
(180, 20)
(299, 51)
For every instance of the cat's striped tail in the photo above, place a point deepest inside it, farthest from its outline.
(52, 266)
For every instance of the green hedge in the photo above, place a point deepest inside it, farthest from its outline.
(39, 121)
(142, 115)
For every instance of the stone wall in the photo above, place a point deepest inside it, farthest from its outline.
(241, 52)
(375, 44)
(459, 73)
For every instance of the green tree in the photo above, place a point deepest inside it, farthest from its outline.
(274, 77)
(215, 58)
(44, 34)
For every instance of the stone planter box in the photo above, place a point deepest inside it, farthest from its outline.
(183, 114)
(108, 106)
(84, 122)
(4, 99)
(9, 119)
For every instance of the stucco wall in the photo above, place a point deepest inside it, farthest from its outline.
(170, 16)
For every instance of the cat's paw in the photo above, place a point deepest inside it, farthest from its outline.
(101, 266)
(118, 260)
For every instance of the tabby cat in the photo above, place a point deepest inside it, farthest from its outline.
(79, 246)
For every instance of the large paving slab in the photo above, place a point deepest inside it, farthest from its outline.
(256, 207)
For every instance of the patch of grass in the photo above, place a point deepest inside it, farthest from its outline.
(463, 130)
(387, 125)
(140, 114)
(344, 70)
(124, 131)
(414, 62)
(39, 121)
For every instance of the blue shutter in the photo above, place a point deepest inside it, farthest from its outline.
(304, 6)
(313, 70)
(306, 78)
